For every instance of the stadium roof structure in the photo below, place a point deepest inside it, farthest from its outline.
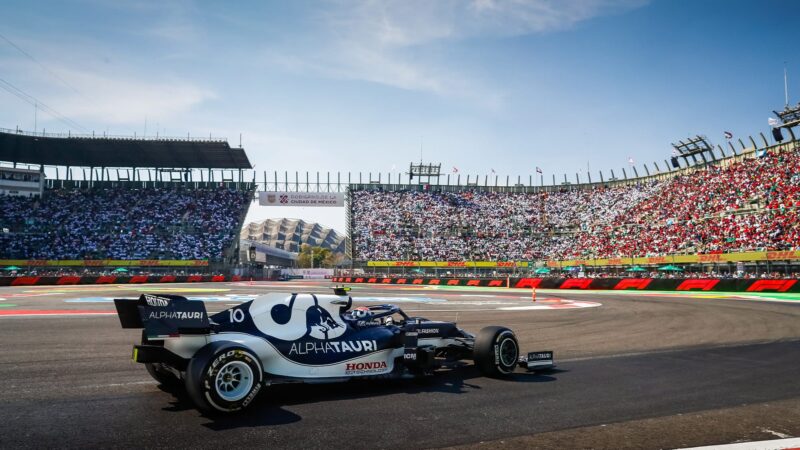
(697, 145)
(789, 116)
(105, 151)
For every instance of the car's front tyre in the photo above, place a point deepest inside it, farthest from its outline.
(496, 351)
(223, 377)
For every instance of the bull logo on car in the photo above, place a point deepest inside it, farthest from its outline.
(320, 323)
(298, 316)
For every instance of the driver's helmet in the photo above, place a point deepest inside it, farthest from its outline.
(360, 312)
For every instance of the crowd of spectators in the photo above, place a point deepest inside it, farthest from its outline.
(120, 223)
(479, 225)
(746, 205)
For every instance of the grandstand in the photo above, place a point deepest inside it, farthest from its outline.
(156, 202)
(739, 208)
(141, 204)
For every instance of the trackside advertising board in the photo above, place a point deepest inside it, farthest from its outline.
(455, 264)
(639, 284)
(104, 262)
(113, 279)
(325, 199)
(699, 258)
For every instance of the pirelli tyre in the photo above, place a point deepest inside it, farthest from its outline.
(165, 378)
(496, 351)
(223, 377)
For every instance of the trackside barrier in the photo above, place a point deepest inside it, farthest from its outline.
(113, 279)
(642, 284)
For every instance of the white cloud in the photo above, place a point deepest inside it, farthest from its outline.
(95, 84)
(385, 42)
(414, 22)
(106, 96)
(123, 100)
(181, 32)
(514, 17)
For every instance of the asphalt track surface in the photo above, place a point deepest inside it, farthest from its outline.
(637, 371)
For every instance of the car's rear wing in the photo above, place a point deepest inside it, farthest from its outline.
(163, 315)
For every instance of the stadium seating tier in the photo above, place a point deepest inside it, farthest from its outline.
(750, 204)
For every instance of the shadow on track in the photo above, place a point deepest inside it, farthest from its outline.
(454, 381)
(269, 407)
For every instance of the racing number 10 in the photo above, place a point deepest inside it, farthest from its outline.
(237, 315)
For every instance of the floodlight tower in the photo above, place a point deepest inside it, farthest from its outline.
(427, 171)
(691, 147)
(790, 116)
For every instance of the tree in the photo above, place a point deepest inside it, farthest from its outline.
(314, 257)
(333, 259)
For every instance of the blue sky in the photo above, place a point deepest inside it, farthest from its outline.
(358, 85)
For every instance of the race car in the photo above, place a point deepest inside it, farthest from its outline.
(223, 361)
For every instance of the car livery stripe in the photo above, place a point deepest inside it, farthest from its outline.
(278, 353)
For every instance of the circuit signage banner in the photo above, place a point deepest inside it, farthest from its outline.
(449, 264)
(641, 284)
(104, 262)
(113, 279)
(700, 258)
(303, 199)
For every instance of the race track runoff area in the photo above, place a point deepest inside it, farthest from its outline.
(635, 370)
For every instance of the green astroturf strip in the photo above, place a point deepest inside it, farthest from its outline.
(793, 296)
(6, 305)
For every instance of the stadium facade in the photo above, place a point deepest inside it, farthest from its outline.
(291, 234)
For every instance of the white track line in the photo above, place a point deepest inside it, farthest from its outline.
(99, 386)
(775, 433)
(758, 445)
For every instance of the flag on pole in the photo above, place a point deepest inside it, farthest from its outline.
(773, 122)
(630, 160)
(455, 169)
(493, 171)
(674, 152)
(728, 134)
(538, 169)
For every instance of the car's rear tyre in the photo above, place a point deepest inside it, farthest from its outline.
(164, 377)
(496, 351)
(223, 377)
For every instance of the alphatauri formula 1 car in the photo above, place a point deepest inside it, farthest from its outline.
(225, 360)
